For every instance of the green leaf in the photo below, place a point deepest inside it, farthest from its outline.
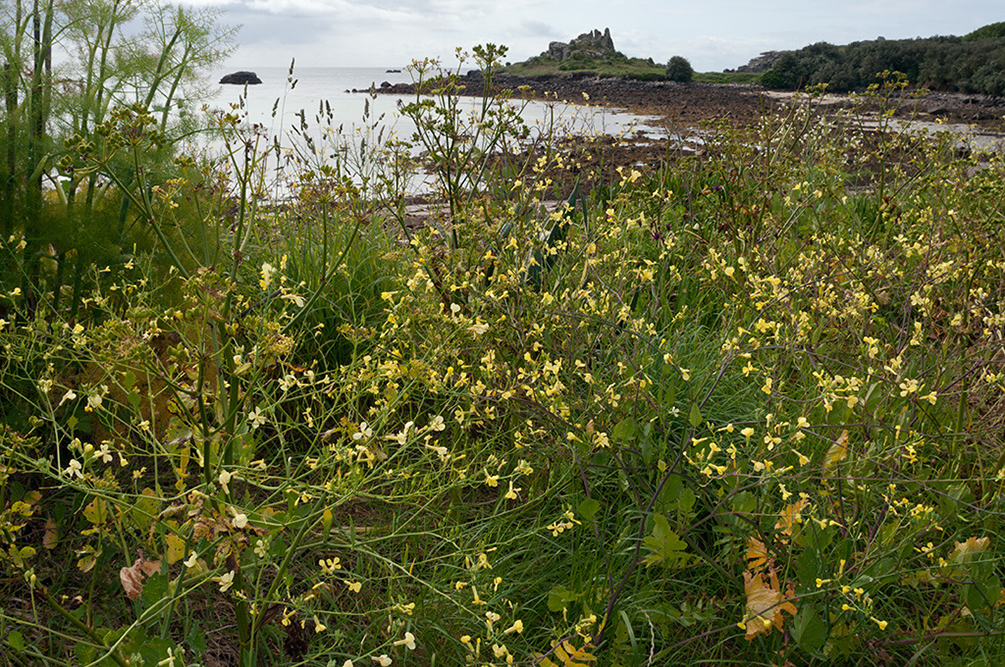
(624, 431)
(670, 495)
(559, 598)
(588, 508)
(145, 509)
(983, 594)
(744, 503)
(808, 629)
(666, 546)
(694, 417)
(16, 640)
(96, 512)
(808, 568)
(154, 588)
(685, 502)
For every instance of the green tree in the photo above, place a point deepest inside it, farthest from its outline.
(679, 69)
(121, 52)
(990, 31)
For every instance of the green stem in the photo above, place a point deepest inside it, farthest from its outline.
(77, 623)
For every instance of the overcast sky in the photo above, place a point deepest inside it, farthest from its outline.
(712, 34)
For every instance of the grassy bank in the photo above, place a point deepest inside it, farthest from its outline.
(743, 407)
(629, 68)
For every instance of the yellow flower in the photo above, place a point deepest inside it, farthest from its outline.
(517, 627)
(408, 642)
(74, 469)
(224, 480)
(226, 581)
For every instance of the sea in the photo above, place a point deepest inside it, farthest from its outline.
(283, 94)
(319, 102)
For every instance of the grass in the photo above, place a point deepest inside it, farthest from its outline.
(727, 77)
(617, 66)
(622, 67)
(744, 406)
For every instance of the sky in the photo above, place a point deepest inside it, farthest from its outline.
(712, 34)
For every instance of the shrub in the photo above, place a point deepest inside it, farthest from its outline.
(679, 69)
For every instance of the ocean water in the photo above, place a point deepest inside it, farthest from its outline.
(278, 101)
(317, 103)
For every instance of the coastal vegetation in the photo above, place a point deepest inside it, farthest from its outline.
(614, 64)
(679, 69)
(974, 63)
(744, 404)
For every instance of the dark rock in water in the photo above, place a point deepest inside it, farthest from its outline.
(242, 79)
(394, 71)
(385, 84)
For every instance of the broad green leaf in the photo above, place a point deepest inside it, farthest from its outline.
(145, 508)
(175, 548)
(624, 431)
(808, 568)
(559, 598)
(685, 502)
(588, 508)
(16, 640)
(666, 546)
(694, 416)
(808, 629)
(96, 511)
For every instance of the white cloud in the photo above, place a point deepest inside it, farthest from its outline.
(713, 34)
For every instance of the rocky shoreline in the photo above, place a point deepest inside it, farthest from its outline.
(688, 104)
(681, 109)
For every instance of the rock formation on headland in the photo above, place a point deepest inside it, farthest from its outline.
(241, 79)
(761, 63)
(595, 44)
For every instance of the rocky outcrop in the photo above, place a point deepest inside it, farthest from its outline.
(241, 79)
(761, 63)
(594, 43)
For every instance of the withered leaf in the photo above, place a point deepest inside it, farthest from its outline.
(132, 577)
(765, 603)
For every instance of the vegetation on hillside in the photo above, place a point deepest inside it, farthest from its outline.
(745, 405)
(971, 64)
(611, 64)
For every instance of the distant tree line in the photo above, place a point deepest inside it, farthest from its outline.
(971, 64)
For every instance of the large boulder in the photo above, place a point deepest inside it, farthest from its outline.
(241, 79)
